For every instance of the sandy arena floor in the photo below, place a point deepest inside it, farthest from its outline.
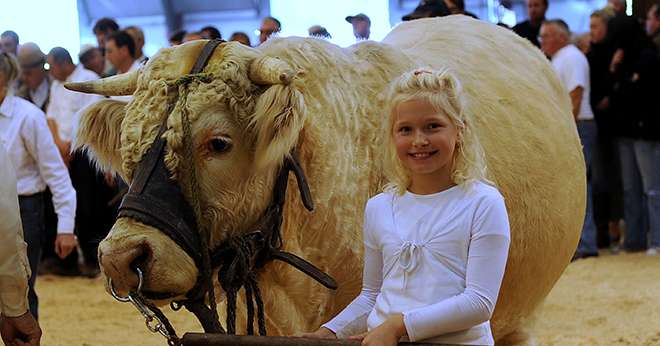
(610, 300)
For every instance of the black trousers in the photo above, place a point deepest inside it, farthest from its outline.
(34, 233)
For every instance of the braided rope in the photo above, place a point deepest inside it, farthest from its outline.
(243, 252)
(193, 188)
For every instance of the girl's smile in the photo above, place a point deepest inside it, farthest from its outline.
(425, 141)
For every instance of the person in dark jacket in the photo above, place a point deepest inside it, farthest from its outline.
(530, 28)
(637, 111)
(606, 171)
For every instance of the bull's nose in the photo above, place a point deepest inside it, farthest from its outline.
(120, 266)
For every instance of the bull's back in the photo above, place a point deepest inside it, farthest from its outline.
(524, 121)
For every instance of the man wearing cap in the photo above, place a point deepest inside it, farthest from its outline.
(428, 9)
(361, 26)
(35, 80)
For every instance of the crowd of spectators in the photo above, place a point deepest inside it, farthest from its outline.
(611, 81)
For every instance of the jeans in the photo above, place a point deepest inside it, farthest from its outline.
(640, 170)
(34, 232)
(588, 244)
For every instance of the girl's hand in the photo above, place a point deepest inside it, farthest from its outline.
(387, 334)
(321, 333)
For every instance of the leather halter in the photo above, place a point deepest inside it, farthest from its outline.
(156, 200)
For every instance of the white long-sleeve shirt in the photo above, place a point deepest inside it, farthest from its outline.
(437, 259)
(64, 103)
(35, 157)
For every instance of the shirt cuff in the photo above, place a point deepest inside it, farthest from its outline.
(65, 225)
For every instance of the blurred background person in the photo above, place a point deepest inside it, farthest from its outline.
(92, 59)
(428, 9)
(9, 42)
(176, 38)
(361, 26)
(102, 29)
(606, 168)
(458, 7)
(241, 37)
(120, 51)
(531, 27)
(35, 81)
(38, 165)
(138, 38)
(319, 31)
(572, 68)
(210, 33)
(192, 36)
(653, 26)
(269, 26)
(93, 215)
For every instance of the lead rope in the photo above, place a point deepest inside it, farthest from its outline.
(194, 190)
(240, 270)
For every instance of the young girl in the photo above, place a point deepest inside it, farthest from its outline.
(436, 241)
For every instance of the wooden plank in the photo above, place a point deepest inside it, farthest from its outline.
(206, 339)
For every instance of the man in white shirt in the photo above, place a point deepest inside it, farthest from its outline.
(120, 51)
(64, 103)
(38, 165)
(63, 115)
(572, 69)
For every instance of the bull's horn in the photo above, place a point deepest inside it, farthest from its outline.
(123, 84)
(268, 71)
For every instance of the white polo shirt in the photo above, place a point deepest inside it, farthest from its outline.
(572, 68)
(64, 103)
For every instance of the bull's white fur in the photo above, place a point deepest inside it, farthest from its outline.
(522, 117)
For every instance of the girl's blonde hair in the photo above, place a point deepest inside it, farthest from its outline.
(444, 92)
(9, 68)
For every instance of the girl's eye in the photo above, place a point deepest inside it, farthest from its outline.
(404, 129)
(434, 126)
(219, 145)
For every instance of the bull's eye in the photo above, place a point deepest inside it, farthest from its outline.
(219, 145)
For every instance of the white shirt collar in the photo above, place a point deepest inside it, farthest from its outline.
(40, 95)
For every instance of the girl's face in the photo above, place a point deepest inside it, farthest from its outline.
(425, 140)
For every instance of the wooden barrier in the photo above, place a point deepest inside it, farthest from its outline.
(205, 339)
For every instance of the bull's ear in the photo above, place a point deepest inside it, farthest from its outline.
(99, 133)
(279, 113)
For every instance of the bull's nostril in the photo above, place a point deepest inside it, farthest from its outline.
(142, 260)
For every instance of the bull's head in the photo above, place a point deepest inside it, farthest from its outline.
(244, 121)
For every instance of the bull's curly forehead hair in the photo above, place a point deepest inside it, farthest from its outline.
(443, 90)
(224, 84)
